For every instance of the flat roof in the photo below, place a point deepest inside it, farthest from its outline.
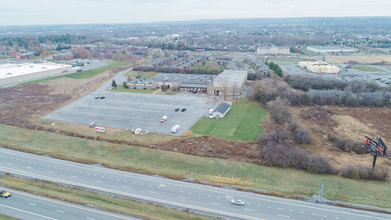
(231, 76)
(330, 48)
(12, 70)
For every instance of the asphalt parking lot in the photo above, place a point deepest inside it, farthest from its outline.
(133, 110)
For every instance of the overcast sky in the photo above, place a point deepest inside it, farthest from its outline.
(35, 12)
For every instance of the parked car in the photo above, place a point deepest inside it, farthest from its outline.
(97, 97)
(183, 110)
(237, 202)
(5, 194)
(175, 128)
(177, 109)
(102, 97)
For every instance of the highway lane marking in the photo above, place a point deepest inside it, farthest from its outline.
(248, 210)
(9, 163)
(138, 196)
(28, 167)
(60, 211)
(32, 204)
(65, 204)
(50, 171)
(181, 197)
(31, 213)
(213, 203)
(73, 176)
(153, 192)
(90, 218)
(126, 187)
(286, 216)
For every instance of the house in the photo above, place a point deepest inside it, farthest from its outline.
(26, 56)
(221, 110)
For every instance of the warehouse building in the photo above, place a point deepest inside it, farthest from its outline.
(331, 49)
(319, 67)
(229, 82)
(13, 73)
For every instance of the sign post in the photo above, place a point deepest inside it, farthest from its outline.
(378, 149)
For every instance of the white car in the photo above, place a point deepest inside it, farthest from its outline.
(237, 202)
(175, 128)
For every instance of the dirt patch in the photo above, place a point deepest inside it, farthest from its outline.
(213, 147)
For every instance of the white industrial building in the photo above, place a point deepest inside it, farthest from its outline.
(319, 67)
(229, 82)
(273, 50)
(331, 49)
(13, 73)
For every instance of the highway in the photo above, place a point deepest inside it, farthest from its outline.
(29, 206)
(196, 197)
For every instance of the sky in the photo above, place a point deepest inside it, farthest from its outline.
(40, 12)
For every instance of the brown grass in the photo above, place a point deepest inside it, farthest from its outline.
(384, 59)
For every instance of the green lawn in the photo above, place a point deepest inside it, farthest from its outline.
(242, 122)
(96, 71)
(367, 68)
(120, 88)
(288, 182)
(141, 74)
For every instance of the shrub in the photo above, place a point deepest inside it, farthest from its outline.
(279, 109)
(347, 145)
(362, 172)
(301, 135)
(278, 136)
(284, 156)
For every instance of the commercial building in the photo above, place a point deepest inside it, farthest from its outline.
(319, 67)
(229, 82)
(331, 49)
(13, 73)
(273, 50)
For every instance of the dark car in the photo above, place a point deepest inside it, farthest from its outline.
(183, 110)
(102, 97)
(177, 109)
(97, 97)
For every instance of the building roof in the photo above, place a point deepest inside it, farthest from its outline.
(231, 76)
(223, 107)
(12, 70)
(330, 48)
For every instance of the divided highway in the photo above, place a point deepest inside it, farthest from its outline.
(29, 206)
(180, 194)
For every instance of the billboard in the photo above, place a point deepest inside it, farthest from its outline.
(375, 147)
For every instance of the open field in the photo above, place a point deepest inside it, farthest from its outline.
(242, 122)
(278, 181)
(367, 68)
(353, 59)
(101, 201)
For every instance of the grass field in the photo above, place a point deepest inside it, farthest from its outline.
(96, 71)
(120, 88)
(83, 74)
(101, 201)
(367, 68)
(242, 122)
(141, 74)
(287, 182)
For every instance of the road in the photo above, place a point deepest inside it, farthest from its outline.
(200, 198)
(29, 206)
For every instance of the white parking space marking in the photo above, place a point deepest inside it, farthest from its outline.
(33, 204)
(60, 211)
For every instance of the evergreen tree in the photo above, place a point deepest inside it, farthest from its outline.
(114, 84)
